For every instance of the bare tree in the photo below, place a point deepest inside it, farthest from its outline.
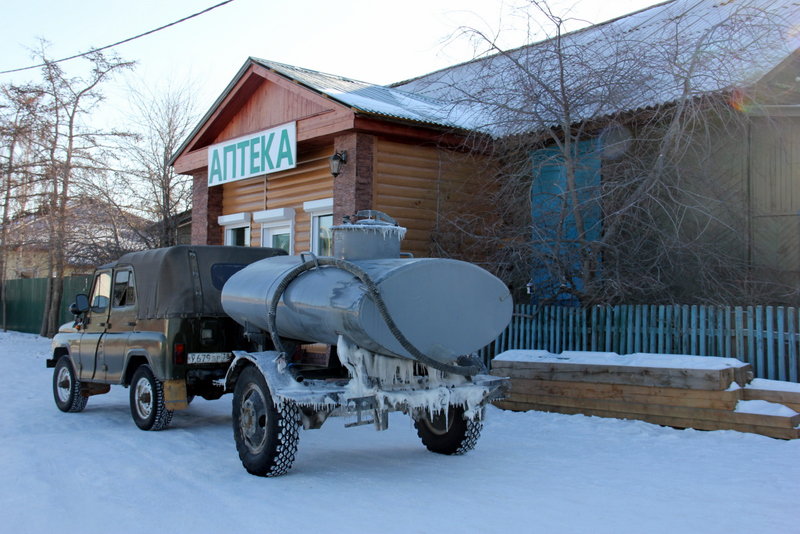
(163, 118)
(73, 150)
(608, 144)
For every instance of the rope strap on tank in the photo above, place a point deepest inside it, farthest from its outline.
(372, 289)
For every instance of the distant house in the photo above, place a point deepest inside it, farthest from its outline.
(98, 233)
(420, 149)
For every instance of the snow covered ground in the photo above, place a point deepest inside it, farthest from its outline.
(531, 472)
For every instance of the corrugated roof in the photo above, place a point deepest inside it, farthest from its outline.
(368, 98)
(650, 57)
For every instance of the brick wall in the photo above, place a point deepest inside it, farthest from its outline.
(352, 189)
(206, 208)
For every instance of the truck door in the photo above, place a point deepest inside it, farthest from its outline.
(121, 323)
(95, 324)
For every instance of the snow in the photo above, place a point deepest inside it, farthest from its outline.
(763, 407)
(774, 385)
(95, 472)
(664, 361)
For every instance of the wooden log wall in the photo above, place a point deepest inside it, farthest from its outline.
(310, 180)
(412, 183)
(700, 398)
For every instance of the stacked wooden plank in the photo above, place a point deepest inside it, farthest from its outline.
(706, 393)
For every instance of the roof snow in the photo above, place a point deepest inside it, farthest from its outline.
(650, 57)
(673, 50)
(369, 98)
(654, 56)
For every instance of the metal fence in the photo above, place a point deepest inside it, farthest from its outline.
(766, 337)
(25, 299)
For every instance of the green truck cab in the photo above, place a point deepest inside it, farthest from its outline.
(153, 322)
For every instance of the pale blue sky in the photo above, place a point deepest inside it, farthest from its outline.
(370, 40)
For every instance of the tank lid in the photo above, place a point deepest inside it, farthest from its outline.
(370, 217)
(372, 235)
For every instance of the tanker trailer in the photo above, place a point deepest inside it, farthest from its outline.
(362, 333)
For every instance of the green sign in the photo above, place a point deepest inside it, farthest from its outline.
(265, 152)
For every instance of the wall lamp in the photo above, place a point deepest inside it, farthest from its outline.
(336, 162)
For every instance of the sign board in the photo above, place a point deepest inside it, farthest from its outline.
(265, 152)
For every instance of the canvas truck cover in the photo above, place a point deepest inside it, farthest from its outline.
(187, 280)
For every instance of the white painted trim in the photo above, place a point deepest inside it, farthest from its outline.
(234, 219)
(322, 207)
(274, 215)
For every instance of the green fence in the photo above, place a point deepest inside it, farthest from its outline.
(767, 337)
(25, 300)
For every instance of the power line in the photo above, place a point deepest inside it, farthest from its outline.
(129, 39)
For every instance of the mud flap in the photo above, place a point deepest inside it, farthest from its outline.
(175, 394)
(87, 390)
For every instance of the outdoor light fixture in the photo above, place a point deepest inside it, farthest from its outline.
(337, 160)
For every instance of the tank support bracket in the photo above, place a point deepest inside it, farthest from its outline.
(380, 418)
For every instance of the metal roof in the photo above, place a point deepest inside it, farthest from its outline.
(650, 57)
(368, 98)
(653, 56)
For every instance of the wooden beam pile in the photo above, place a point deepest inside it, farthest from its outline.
(705, 393)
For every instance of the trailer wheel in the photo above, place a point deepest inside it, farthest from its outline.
(448, 433)
(67, 388)
(266, 435)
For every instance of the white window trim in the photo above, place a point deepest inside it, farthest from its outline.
(317, 209)
(234, 221)
(276, 218)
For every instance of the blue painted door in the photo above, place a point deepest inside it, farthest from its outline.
(556, 238)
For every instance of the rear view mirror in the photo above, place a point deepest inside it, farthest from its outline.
(81, 304)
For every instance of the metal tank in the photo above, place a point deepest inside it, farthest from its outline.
(444, 308)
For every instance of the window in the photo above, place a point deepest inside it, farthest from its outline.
(277, 228)
(237, 229)
(124, 289)
(221, 272)
(323, 239)
(321, 212)
(101, 292)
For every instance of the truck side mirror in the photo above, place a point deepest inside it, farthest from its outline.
(81, 304)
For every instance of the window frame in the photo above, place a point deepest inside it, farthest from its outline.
(101, 289)
(273, 220)
(233, 222)
(129, 292)
(317, 209)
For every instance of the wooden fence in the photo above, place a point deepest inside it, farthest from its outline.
(766, 337)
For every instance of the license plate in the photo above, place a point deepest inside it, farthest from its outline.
(209, 357)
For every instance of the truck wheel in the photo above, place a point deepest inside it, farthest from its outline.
(448, 433)
(147, 400)
(67, 387)
(266, 436)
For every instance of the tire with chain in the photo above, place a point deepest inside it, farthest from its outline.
(266, 435)
(448, 433)
(67, 387)
(148, 409)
